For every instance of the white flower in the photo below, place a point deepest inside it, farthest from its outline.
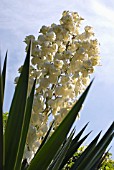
(44, 128)
(81, 50)
(63, 57)
(41, 39)
(58, 64)
(95, 60)
(62, 48)
(44, 82)
(53, 79)
(59, 43)
(64, 79)
(58, 56)
(35, 146)
(52, 103)
(46, 44)
(59, 90)
(72, 47)
(75, 65)
(44, 29)
(63, 111)
(53, 71)
(28, 38)
(52, 48)
(58, 119)
(28, 154)
(32, 135)
(86, 81)
(49, 93)
(30, 84)
(67, 19)
(16, 80)
(38, 106)
(88, 29)
(67, 54)
(51, 36)
(67, 37)
(49, 57)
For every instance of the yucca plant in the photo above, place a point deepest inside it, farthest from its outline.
(56, 149)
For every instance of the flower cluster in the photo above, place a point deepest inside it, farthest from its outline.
(63, 57)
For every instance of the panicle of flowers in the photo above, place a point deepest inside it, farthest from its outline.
(63, 58)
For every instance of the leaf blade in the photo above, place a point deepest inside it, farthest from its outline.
(41, 161)
(45, 138)
(64, 150)
(99, 154)
(97, 149)
(87, 151)
(73, 148)
(1, 119)
(25, 128)
(4, 73)
(13, 128)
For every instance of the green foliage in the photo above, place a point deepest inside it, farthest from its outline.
(5, 117)
(107, 162)
(72, 160)
(57, 149)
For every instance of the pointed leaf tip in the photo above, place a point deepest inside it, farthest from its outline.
(17, 112)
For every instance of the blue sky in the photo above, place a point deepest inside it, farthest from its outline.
(21, 18)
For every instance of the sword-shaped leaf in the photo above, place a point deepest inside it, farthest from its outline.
(46, 137)
(25, 128)
(72, 149)
(4, 73)
(98, 164)
(44, 157)
(100, 153)
(63, 152)
(79, 134)
(1, 120)
(86, 152)
(92, 156)
(16, 116)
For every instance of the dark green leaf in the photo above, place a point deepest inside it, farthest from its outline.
(4, 73)
(99, 154)
(1, 119)
(102, 145)
(72, 149)
(85, 154)
(25, 128)
(44, 157)
(79, 134)
(16, 116)
(63, 152)
(60, 150)
(98, 164)
(46, 137)
(91, 157)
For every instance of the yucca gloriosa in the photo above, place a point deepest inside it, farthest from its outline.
(55, 150)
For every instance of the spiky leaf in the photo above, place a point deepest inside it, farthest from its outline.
(16, 116)
(44, 157)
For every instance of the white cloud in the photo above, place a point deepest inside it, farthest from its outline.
(20, 18)
(103, 10)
